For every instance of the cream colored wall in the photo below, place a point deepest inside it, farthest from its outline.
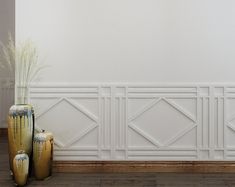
(134, 79)
(132, 40)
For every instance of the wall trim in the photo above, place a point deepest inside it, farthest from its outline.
(195, 121)
(140, 166)
(129, 84)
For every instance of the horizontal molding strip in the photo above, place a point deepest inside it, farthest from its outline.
(130, 84)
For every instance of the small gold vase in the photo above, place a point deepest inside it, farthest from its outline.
(20, 130)
(43, 155)
(21, 168)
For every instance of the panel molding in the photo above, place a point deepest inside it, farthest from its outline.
(205, 110)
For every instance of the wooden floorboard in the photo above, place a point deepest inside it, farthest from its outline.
(3, 132)
(144, 167)
(118, 179)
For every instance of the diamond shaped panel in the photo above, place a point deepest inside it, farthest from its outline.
(65, 121)
(162, 121)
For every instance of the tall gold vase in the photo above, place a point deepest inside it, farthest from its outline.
(43, 155)
(20, 131)
(21, 168)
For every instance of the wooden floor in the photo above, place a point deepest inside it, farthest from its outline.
(117, 180)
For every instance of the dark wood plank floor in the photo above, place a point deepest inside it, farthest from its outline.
(117, 180)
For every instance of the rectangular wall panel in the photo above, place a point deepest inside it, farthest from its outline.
(138, 121)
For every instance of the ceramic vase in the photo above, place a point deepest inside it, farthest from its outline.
(21, 168)
(42, 154)
(20, 131)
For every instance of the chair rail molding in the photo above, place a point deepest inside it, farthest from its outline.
(138, 121)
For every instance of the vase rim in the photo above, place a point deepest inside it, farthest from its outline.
(22, 104)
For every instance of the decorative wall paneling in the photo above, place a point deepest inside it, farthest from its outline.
(138, 121)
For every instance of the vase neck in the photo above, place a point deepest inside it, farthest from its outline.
(21, 95)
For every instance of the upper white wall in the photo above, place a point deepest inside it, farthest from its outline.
(132, 40)
(7, 24)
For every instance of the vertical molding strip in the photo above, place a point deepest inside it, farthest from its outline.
(99, 123)
(112, 125)
(126, 122)
(225, 122)
(198, 125)
(211, 122)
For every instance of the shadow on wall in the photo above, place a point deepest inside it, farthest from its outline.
(7, 22)
(6, 93)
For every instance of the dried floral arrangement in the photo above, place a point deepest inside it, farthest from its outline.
(22, 62)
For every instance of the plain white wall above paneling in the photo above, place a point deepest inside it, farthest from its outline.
(132, 40)
(7, 25)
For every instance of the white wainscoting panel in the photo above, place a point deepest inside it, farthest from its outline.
(6, 99)
(138, 121)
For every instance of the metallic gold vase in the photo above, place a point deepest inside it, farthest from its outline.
(20, 131)
(43, 154)
(21, 168)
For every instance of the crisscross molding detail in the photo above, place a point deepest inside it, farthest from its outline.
(145, 135)
(150, 138)
(180, 109)
(154, 103)
(144, 109)
(180, 134)
(81, 135)
(76, 106)
(231, 118)
(80, 109)
(231, 126)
